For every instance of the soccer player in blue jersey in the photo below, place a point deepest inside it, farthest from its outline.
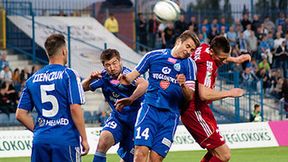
(171, 83)
(125, 102)
(56, 93)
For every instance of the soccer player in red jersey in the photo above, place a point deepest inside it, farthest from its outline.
(198, 117)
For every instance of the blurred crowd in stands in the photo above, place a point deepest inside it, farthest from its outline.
(12, 80)
(265, 39)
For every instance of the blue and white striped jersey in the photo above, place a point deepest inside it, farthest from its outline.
(164, 92)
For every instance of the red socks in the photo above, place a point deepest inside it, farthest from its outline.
(210, 158)
(207, 157)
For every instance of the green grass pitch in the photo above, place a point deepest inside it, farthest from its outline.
(270, 154)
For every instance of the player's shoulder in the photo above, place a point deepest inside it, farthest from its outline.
(126, 70)
(204, 45)
(189, 62)
(157, 52)
(201, 53)
(204, 49)
(71, 72)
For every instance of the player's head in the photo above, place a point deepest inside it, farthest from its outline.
(55, 46)
(186, 43)
(111, 61)
(220, 49)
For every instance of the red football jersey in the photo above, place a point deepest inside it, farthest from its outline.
(198, 117)
(206, 69)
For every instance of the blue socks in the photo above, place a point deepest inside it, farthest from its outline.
(99, 157)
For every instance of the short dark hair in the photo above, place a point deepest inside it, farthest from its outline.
(220, 43)
(108, 54)
(256, 105)
(53, 43)
(189, 34)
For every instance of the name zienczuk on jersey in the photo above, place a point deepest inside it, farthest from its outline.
(44, 77)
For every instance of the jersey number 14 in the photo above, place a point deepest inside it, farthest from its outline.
(144, 133)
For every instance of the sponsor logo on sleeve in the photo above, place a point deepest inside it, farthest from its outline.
(114, 81)
(177, 67)
(172, 60)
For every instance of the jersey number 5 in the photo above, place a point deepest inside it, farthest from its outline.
(49, 98)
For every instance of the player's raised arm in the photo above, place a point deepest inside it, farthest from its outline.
(187, 80)
(130, 77)
(188, 88)
(142, 85)
(208, 94)
(86, 82)
(141, 68)
(240, 59)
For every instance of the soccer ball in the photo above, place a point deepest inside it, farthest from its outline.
(166, 10)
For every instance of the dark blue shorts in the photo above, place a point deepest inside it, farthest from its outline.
(122, 132)
(155, 128)
(43, 152)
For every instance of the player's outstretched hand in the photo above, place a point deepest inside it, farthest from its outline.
(85, 147)
(181, 79)
(123, 79)
(95, 75)
(236, 92)
(120, 104)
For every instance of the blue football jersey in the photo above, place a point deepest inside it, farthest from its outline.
(164, 92)
(113, 90)
(51, 91)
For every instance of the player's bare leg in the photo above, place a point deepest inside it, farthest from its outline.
(155, 157)
(222, 153)
(141, 154)
(106, 141)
